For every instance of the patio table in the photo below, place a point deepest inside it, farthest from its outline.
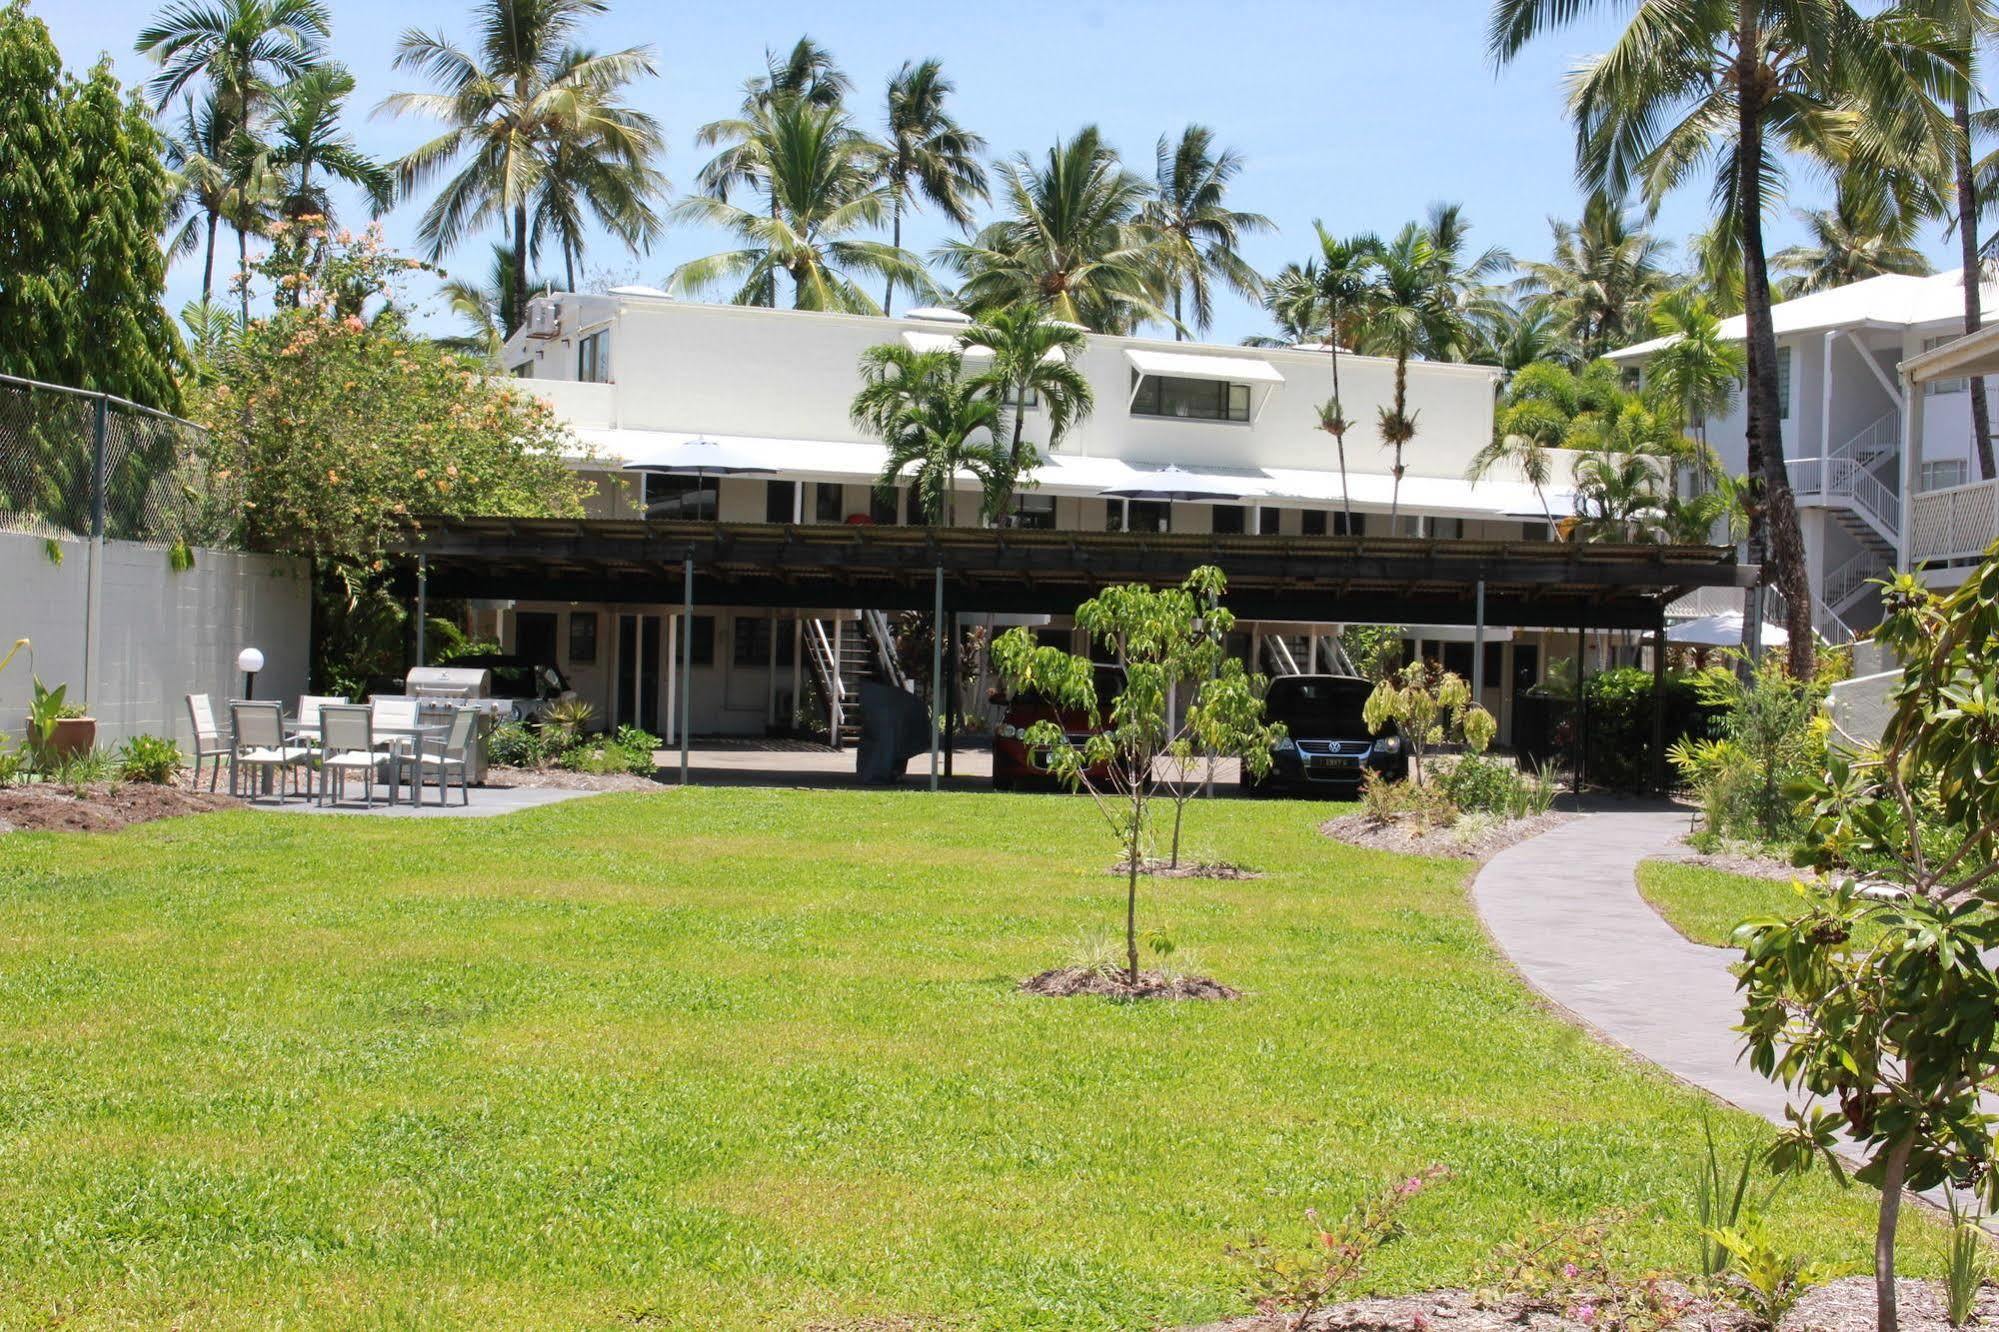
(397, 736)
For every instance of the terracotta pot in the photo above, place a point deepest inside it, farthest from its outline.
(73, 736)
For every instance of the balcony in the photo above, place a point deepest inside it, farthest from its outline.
(1955, 525)
(577, 402)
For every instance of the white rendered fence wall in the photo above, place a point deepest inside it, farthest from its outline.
(161, 634)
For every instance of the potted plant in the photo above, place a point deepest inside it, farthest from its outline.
(58, 729)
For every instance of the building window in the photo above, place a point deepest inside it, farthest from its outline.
(525, 370)
(828, 502)
(1229, 519)
(752, 646)
(1035, 513)
(582, 637)
(1937, 387)
(1783, 383)
(593, 358)
(779, 496)
(701, 640)
(1312, 522)
(1494, 663)
(534, 637)
(1189, 399)
(1447, 529)
(1142, 516)
(1269, 522)
(1942, 474)
(1342, 527)
(693, 498)
(1012, 397)
(883, 507)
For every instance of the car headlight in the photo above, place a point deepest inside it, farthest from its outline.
(1388, 744)
(1285, 746)
(1006, 731)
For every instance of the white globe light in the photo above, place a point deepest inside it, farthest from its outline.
(249, 661)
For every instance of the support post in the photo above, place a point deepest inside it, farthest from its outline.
(686, 658)
(1659, 704)
(951, 701)
(1912, 469)
(1478, 647)
(93, 578)
(936, 675)
(1579, 715)
(422, 606)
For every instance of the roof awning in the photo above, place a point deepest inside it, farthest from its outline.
(918, 340)
(1185, 365)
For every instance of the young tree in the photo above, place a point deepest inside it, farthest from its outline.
(1164, 638)
(1428, 705)
(1884, 1006)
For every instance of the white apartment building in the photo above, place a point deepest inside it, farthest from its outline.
(738, 414)
(1845, 414)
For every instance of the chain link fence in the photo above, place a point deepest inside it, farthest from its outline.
(84, 464)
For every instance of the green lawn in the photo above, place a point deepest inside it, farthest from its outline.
(755, 1059)
(1706, 904)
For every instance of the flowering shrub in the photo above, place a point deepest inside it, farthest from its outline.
(1569, 1270)
(339, 421)
(1296, 1285)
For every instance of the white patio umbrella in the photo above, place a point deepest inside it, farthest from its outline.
(703, 457)
(1174, 482)
(1723, 630)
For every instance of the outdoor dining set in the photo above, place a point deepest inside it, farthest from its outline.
(387, 741)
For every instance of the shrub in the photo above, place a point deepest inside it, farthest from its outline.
(1389, 801)
(629, 751)
(516, 745)
(1428, 706)
(1768, 737)
(1619, 723)
(149, 758)
(1481, 785)
(1297, 1285)
(571, 717)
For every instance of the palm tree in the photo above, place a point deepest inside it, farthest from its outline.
(928, 156)
(1195, 232)
(1033, 361)
(194, 154)
(824, 183)
(922, 405)
(805, 73)
(1342, 282)
(1517, 338)
(1600, 278)
(490, 309)
(1292, 297)
(1692, 84)
(1867, 232)
(1714, 267)
(1617, 496)
(529, 114)
(1525, 436)
(1698, 372)
(307, 137)
(1071, 242)
(1409, 303)
(1467, 299)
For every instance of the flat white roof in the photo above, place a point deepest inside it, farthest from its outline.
(860, 463)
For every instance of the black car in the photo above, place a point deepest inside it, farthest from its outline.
(1329, 749)
(515, 677)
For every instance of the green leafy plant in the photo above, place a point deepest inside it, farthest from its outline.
(1165, 638)
(1386, 801)
(180, 555)
(1764, 1279)
(1769, 736)
(1969, 1268)
(81, 771)
(629, 751)
(516, 745)
(1428, 706)
(151, 759)
(568, 717)
(46, 707)
(1569, 1269)
(1721, 1198)
(1296, 1284)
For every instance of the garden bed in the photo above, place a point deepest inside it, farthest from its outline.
(1066, 982)
(1473, 837)
(1218, 869)
(561, 779)
(1846, 1305)
(1744, 858)
(100, 808)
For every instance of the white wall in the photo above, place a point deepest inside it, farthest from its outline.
(746, 370)
(161, 635)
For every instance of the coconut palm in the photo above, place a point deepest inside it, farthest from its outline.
(309, 146)
(928, 412)
(1195, 232)
(1600, 278)
(1698, 371)
(1410, 303)
(1867, 232)
(1071, 241)
(1514, 339)
(195, 153)
(1467, 298)
(824, 184)
(529, 114)
(928, 156)
(805, 73)
(1033, 361)
(1696, 85)
(489, 310)
(1342, 282)
(1291, 295)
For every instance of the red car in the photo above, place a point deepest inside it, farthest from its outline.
(1016, 764)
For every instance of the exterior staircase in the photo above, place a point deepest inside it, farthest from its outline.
(844, 653)
(1291, 654)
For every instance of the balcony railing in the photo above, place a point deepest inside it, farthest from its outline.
(1823, 479)
(1958, 523)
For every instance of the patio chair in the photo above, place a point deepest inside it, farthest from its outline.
(208, 743)
(392, 714)
(260, 746)
(347, 744)
(456, 752)
(309, 706)
(394, 711)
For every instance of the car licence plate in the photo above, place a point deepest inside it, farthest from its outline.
(1335, 763)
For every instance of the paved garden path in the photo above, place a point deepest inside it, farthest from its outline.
(1564, 907)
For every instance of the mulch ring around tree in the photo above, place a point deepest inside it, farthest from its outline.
(1065, 982)
(1846, 1305)
(1160, 869)
(1473, 837)
(100, 808)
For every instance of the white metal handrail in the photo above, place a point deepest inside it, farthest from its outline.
(1850, 479)
(827, 663)
(1280, 652)
(1847, 581)
(1882, 437)
(884, 643)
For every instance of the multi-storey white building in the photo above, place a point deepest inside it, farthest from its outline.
(1845, 414)
(741, 415)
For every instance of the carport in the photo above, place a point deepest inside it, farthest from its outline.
(1364, 579)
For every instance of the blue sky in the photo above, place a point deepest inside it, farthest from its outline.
(1360, 112)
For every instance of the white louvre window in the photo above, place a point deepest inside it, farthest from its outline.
(1783, 383)
(1937, 387)
(1945, 473)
